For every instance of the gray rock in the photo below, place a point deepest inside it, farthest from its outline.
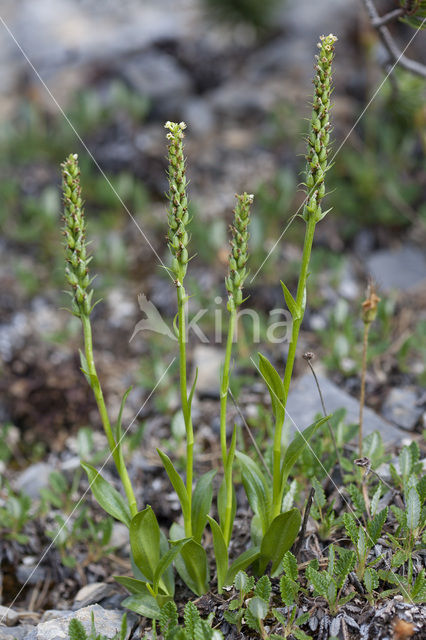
(404, 268)
(8, 616)
(199, 116)
(92, 593)
(53, 614)
(30, 573)
(401, 407)
(304, 404)
(16, 633)
(34, 478)
(157, 76)
(107, 622)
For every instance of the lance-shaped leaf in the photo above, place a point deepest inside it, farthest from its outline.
(145, 542)
(256, 488)
(107, 496)
(166, 560)
(177, 483)
(279, 539)
(191, 564)
(275, 386)
(143, 604)
(290, 302)
(201, 503)
(220, 552)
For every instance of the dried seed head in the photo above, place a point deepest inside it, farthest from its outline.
(76, 255)
(239, 251)
(319, 136)
(370, 304)
(178, 216)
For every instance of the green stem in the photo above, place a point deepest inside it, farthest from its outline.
(97, 391)
(225, 385)
(186, 409)
(277, 489)
(223, 404)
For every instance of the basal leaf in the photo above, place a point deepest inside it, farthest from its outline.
(201, 503)
(256, 488)
(278, 539)
(191, 564)
(145, 542)
(144, 605)
(220, 552)
(166, 560)
(132, 584)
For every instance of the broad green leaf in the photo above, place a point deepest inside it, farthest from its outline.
(290, 302)
(166, 560)
(258, 608)
(177, 483)
(167, 582)
(405, 462)
(145, 542)
(278, 539)
(107, 496)
(220, 552)
(191, 564)
(243, 583)
(132, 585)
(296, 447)
(201, 503)
(413, 509)
(144, 605)
(275, 386)
(256, 488)
(241, 563)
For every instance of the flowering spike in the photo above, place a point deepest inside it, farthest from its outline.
(239, 251)
(76, 255)
(178, 208)
(319, 137)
